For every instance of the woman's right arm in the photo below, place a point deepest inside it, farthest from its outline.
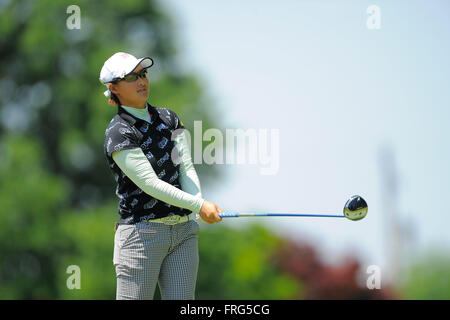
(136, 166)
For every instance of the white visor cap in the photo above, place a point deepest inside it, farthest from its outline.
(120, 65)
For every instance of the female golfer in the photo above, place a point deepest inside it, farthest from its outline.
(156, 239)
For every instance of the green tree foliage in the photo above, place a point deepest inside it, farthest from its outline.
(49, 87)
(53, 116)
(237, 264)
(429, 277)
(31, 200)
(90, 237)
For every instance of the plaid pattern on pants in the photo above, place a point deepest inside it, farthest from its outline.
(148, 253)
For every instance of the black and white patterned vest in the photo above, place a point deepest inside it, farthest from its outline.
(125, 131)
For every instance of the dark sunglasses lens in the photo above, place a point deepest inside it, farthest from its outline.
(131, 77)
(134, 76)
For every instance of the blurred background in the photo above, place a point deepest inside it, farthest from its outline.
(357, 89)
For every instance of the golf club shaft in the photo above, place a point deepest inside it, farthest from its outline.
(237, 214)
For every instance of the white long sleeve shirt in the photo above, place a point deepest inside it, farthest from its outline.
(138, 169)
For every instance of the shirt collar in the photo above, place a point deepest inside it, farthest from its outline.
(124, 114)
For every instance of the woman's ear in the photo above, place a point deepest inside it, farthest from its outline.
(113, 97)
(112, 88)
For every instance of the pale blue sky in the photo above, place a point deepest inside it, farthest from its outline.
(338, 92)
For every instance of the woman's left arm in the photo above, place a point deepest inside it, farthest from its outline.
(189, 180)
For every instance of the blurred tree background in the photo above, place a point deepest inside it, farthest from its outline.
(57, 201)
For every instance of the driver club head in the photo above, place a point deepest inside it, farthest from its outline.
(355, 208)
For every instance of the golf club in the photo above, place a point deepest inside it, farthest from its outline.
(355, 209)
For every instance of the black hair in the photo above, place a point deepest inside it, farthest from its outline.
(114, 97)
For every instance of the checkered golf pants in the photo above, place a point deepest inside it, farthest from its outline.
(148, 253)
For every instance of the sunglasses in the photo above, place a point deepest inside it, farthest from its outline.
(134, 76)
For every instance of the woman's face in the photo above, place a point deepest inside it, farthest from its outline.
(132, 94)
